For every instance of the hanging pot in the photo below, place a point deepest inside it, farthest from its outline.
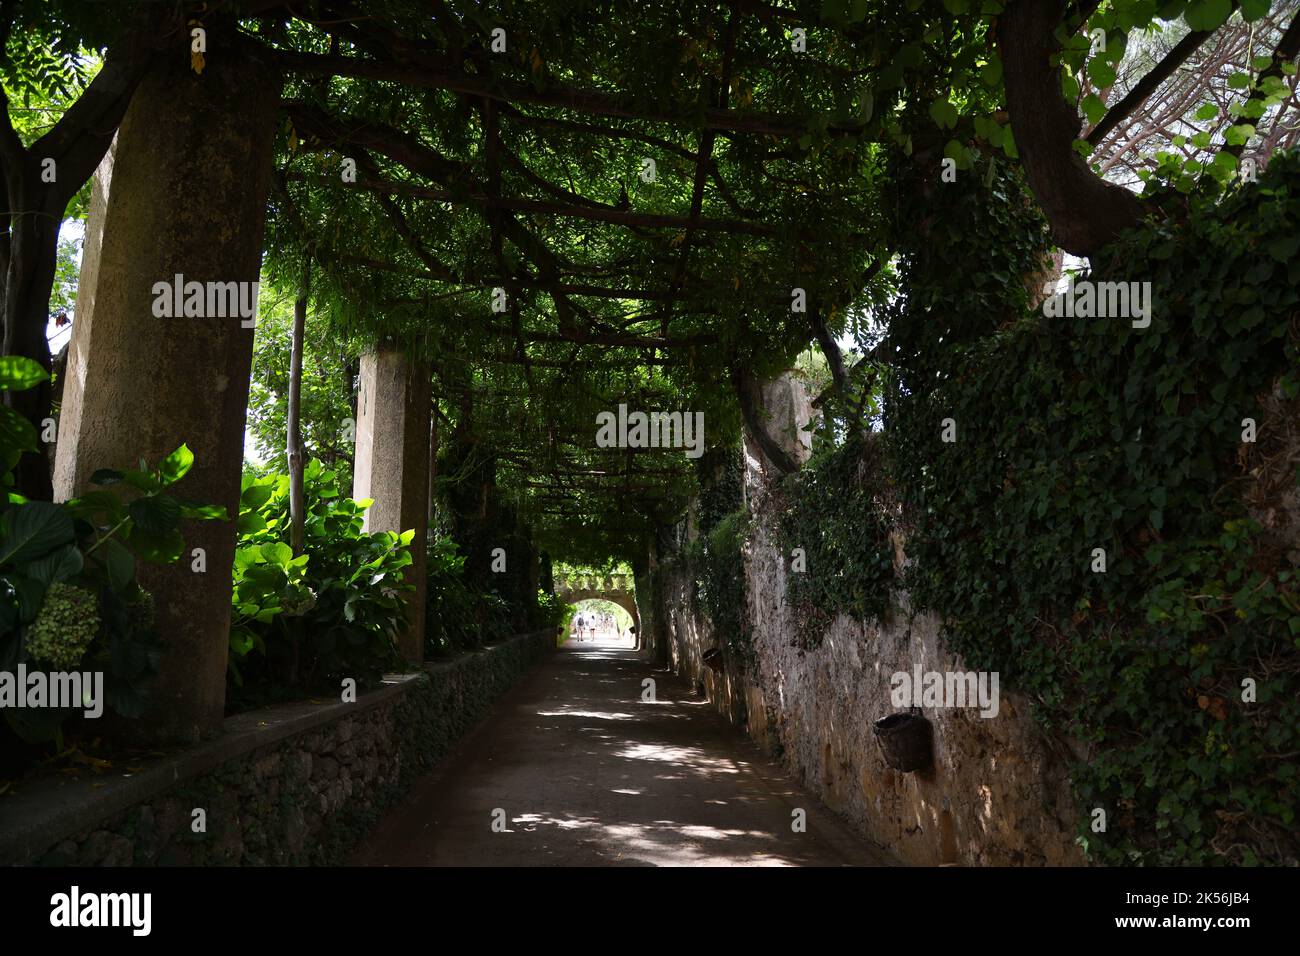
(904, 740)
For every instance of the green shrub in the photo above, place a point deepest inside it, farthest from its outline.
(458, 617)
(69, 599)
(301, 624)
(552, 612)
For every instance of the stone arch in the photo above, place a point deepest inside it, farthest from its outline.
(596, 588)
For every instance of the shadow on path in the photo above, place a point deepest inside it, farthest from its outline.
(589, 774)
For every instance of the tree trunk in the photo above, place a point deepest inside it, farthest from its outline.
(1084, 210)
(76, 144)
(32, 257)
(293, 450)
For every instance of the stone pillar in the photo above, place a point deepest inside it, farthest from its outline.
(183, 191)
(392, 467)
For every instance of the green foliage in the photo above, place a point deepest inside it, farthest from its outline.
(68, 592)
(1077, 433)
(718, 559)
(17, 436)
(303, 623)
(329, 366)
(840, 522)
(452, 608)
(64, 627)
(552, 612)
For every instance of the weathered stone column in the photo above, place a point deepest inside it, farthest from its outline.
(392, 467)
(183, 192)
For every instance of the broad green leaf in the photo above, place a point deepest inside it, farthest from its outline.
(143, 480)
(32, 530)
(157, 547)
(254, 496)
(29, 593)
(991, 72)
(120, 564)
(18, 373)
(278, 553)
(1207, 14)
(174, 467)
(1093, 108)
(1238, 135)
(199, 511)
(157, 513)
(1101, 72)
(61, 565)
(251, 522)
(16, 433)
(106, 476)
(944, 114)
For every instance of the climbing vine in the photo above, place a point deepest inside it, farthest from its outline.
(717, 555)
(834, 536)
(1093, 530)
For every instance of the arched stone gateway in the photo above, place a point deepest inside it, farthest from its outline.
(615, 588)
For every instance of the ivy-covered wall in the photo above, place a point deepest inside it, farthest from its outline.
(1110, 528)
(1102, 511)
(306, 798)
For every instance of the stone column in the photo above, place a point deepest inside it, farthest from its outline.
(182, 192)
(392, 467)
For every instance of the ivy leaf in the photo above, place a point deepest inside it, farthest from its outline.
(1207, 112)
(944, 114)
(1093, 108)
(1207, 14)
(1252, 10)
(1238, 135)
(1102, 73)
(1284, 249)
(991, 72)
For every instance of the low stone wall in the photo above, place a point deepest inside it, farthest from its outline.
(291, 784)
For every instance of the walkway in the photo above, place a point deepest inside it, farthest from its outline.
(588, 774)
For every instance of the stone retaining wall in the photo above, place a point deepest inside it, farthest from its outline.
(292, 784)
